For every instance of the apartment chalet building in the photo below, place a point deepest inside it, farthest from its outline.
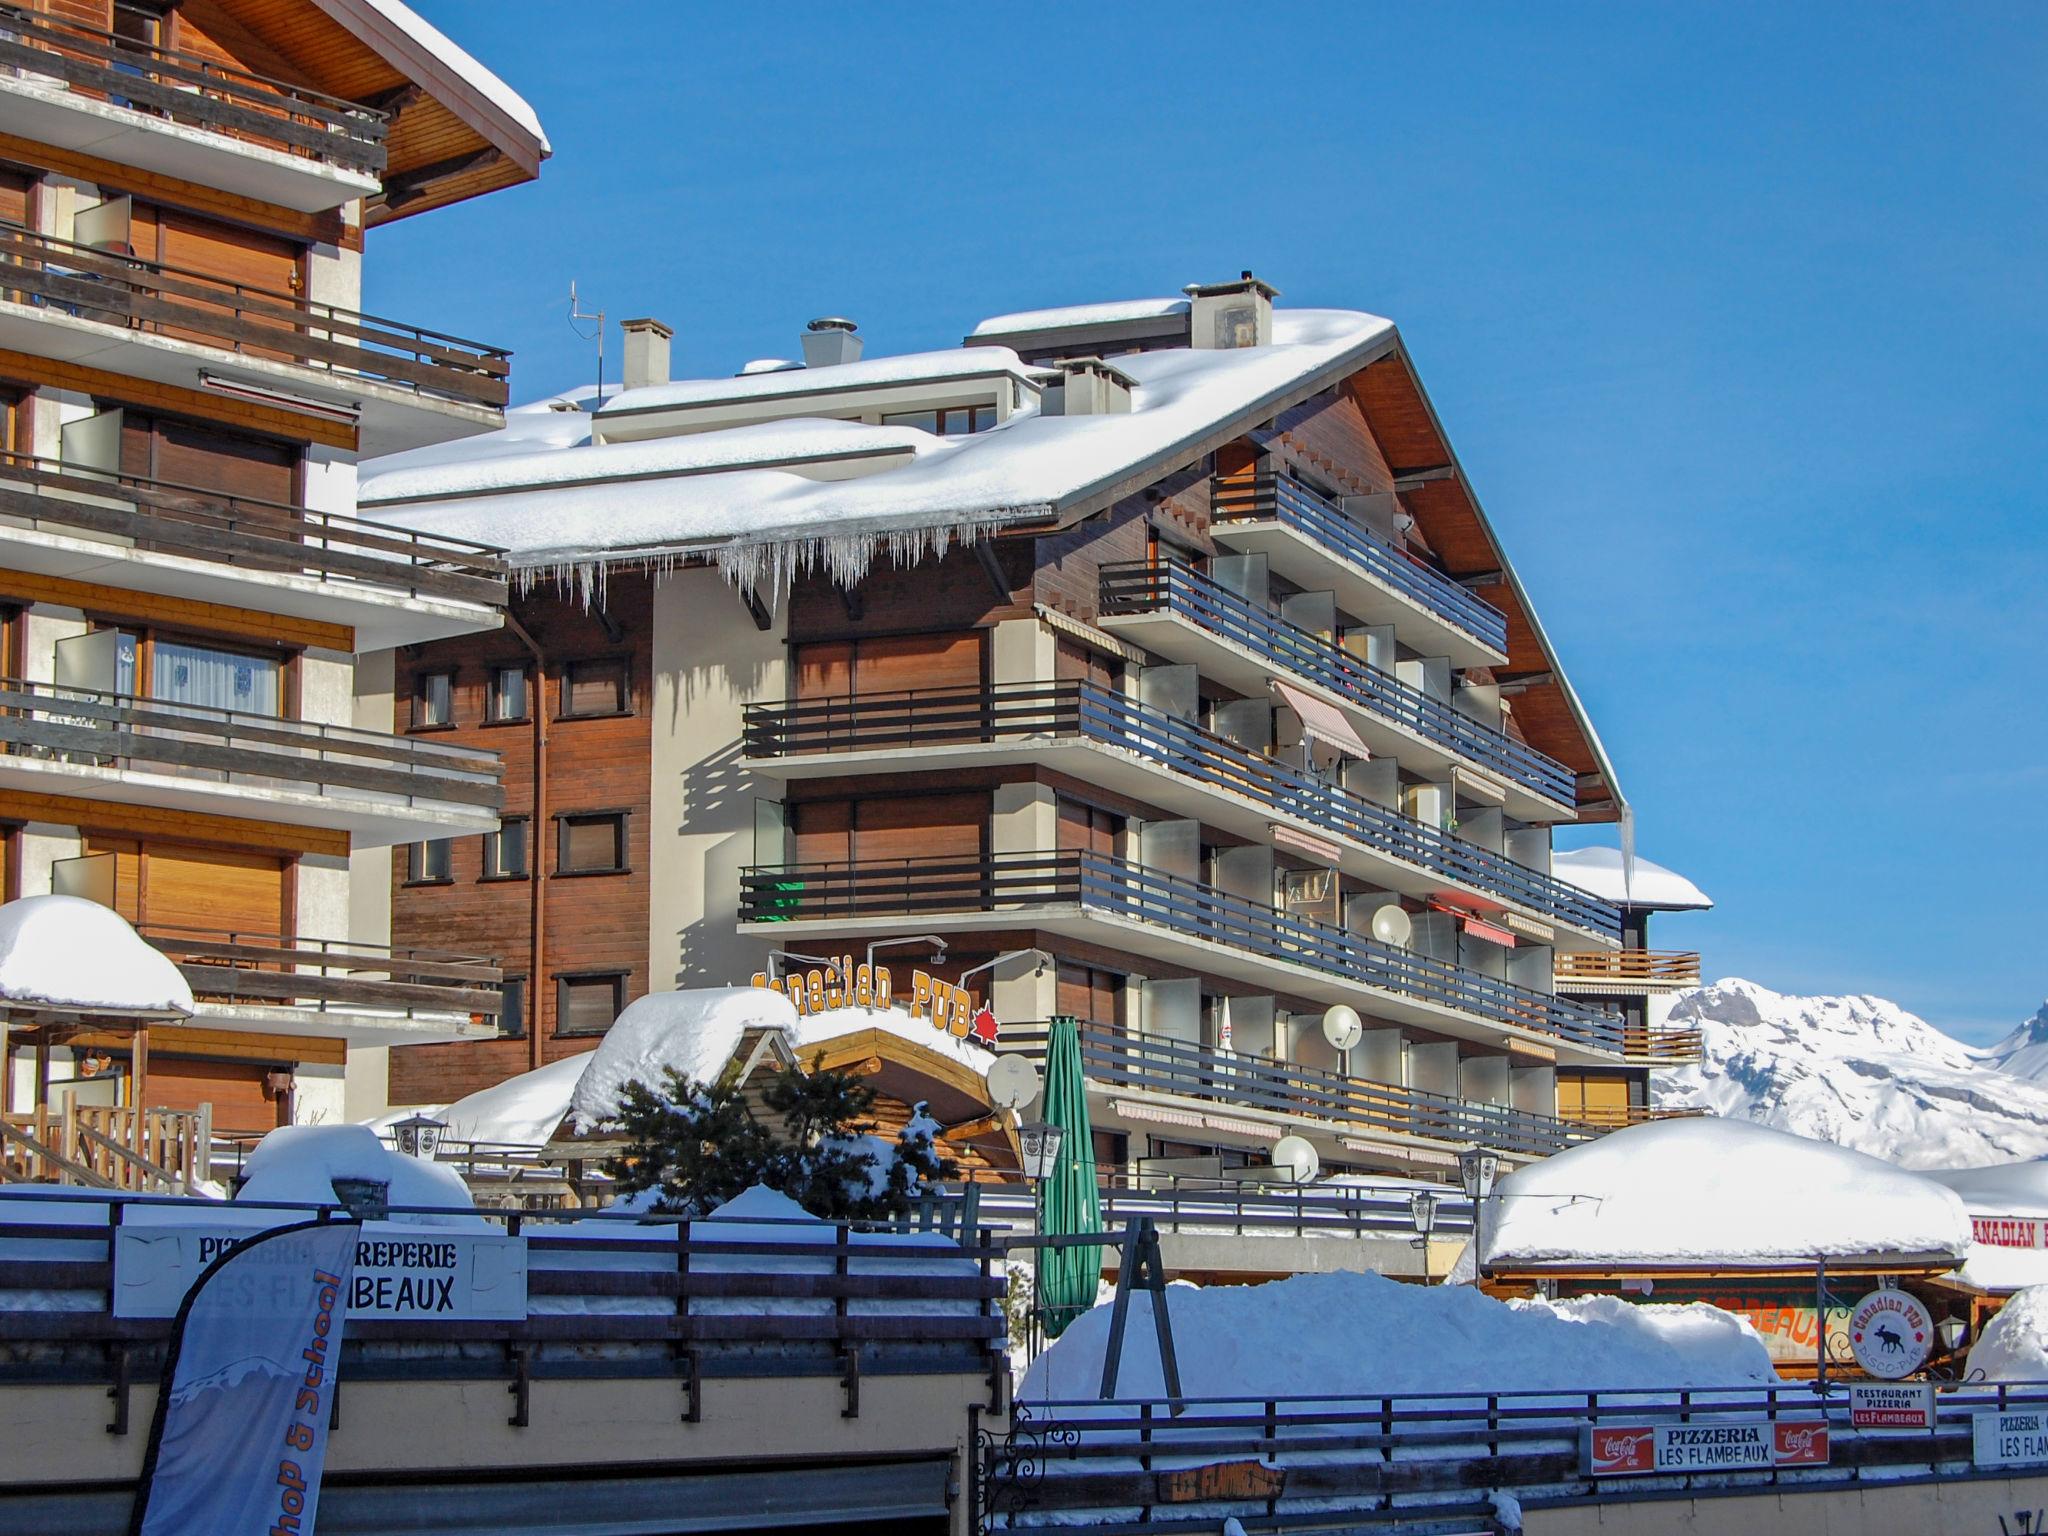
(187, 383)
(1153, 660)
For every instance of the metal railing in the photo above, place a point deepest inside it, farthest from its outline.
(1273, 497)
(1176, 588)
(1246, 1081)
(199, 92)
(116, 730)
(1098, 883)
(153, 299)
(324, 975)
(246, 533)
(952, 716)
(1644, 967)
(1179, 1203)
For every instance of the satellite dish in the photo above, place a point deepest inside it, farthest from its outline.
(1343, 1028)
(1298, 1157)
(1012, 1082)
(1390, 925)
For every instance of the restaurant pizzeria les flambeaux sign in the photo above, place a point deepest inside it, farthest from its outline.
(1737, 1445)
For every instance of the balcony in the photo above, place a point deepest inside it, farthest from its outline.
(1105, 737)
(1629, 972)
(194, 118)
(406, 386)
(1187, 923)
(367, 994)
(380, 789)
(391, 585)
(1175, 611)
(1319, 547)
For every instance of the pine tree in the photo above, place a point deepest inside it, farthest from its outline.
(699, 1144)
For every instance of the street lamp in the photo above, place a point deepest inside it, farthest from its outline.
(419, 1135)
(1422, 1208)
(1038, 1147)
(1477, 1170)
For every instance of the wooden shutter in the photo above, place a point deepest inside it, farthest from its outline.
(921, 826)
(226, 252)
(596, 688)
(824, 669)
(222, 461)
(14, 194)
(213, 889)
(593, 842)
(126, 853)
(589, 1004)
(242, 1104)
(822, 832)
(1073, 662)
(1084, 827)
(902, 662)
(1090, 995)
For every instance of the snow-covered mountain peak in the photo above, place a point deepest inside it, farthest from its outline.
(2024, 1052)
(1861, 1072)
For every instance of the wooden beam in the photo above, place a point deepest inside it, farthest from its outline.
(760, 615)
(174, 826)
(410, 186)
(226, 1045)
(992, 568)
(1409, 479)
(967, 1130)
(177, 612)
(273, 421)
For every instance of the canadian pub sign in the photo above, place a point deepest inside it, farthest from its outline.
(843, 984)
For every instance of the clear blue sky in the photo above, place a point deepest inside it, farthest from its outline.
(1736, 317)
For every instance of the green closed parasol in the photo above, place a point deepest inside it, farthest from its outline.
(1068, 1277)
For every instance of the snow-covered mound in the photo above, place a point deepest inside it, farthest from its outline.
(74, 953)
(1720, 1192)
(1363, 1334)
(1857, 1071)
(522, 1111)
(2004, 1189)
(2024, 1052)
(2014, 1345)
(693, 1033)
(298, 1164)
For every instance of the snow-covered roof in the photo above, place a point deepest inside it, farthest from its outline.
(67, 953)
(692, 1033)
(1721, 1193)
(904, 368)
(1599, 870)
(464, 66)
(522, 1111)
(2004, 1189)
(764, 524)
(831, 1023)
(1074, 316)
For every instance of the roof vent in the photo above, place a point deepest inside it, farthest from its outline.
(646, 352)
(830, 341)
(1087, 386)
(767, 365)
(1227, 315)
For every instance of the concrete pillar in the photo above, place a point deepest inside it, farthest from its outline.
(1021, 651)
(1026, 819)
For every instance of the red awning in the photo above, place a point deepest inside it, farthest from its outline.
(1323, 721)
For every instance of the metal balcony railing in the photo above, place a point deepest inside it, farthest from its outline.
(152, 299)
(248, 534)
(1118, 888)
(117, 730)
(328, 975)
(198, 92)
(1274, 497)
(1175, 588)
(952, 716)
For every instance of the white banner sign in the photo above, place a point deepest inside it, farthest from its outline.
(401, 1270)
(1879, 1407)
(2015, 1438)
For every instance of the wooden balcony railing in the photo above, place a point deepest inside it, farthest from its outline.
(951, 716)
(1665, 1046)
(152, 299)
(197, 92)
(1173, 587)
(114, 730)
(251, 535)
(327, 975)
(1271, 497)
(1647, 967)
(99, 1146)
(1118, 888)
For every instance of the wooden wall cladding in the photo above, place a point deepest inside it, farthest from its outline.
(1068, 575)
(1328, 436)
(953, 593)
(598, 763)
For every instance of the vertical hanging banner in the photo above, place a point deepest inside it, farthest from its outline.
(240, 1433)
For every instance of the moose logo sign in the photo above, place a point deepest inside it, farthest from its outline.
(1890, 1334)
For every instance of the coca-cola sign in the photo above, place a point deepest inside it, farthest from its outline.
(1703, 1445)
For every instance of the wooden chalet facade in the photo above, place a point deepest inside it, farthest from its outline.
(1186, 731)
(187, 383)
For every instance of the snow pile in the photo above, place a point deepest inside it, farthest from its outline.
(298, 1164)
(68, 952)
(693, 1033)
(2014, 1345)
(522, 1111)
(1342, 1335)
(1717, 1192)
(1857, 1071)
(831, 1023)
(867, 373)
(1599, 871)
(1072, 315)
(2024, 1052)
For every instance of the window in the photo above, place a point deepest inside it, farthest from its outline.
(505, 850)
(587, 1004)
(512, 1007)
(507, 700)
(595, 688)
(431, 862)
(190, 672)
(955, 421)
(591, 844)
(433, 701)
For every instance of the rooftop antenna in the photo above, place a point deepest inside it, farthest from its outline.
(578, 318)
